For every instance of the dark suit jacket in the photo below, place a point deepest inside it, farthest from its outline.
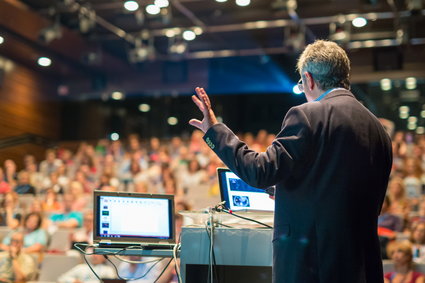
(330, 164)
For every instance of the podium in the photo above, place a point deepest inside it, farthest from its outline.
(241, 255)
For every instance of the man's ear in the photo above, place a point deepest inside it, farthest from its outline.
(309, 81)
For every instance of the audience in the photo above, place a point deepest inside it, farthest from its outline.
(63, 183)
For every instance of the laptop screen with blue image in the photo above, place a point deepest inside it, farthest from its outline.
(241, 196)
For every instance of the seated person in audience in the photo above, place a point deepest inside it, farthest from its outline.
(10, 211)
(4, 186)
(402, 258)
(82, 273)
(387, 220)
(81, 199)
(23, 185)
(146, 272)
(51, 202)
(85, 233)
(418, 242)
(35, 238)
(10, 172)
(67, 218)
(15, 264)
(397, 193)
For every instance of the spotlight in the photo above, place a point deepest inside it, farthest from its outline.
(162, 3)
(153, 9)
(243, 3)
(411, 83)
(296, 90)
(172, 121)
(44, 61)
(144, 107)
(117, 95)
(131, 6)
(178, 48)
(359, 22)
(385, 84)
(115, 136)
(189, 35)
(1, 39)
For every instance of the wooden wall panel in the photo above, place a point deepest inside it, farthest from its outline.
(28, 104)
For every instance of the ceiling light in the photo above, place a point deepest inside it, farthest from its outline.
(412, 119)
(198, 30)
(411, 83)
(178, 48)
(117, 95)
(153, 9)
(131, 6)
(144, 107)
(172, 121)
(423, 113)
(170, 33)
(404, 115)
(1, 39)
(162, 3)
(296, 89)
(243, 3)
(412, 126)
(420, 130)
(115, 136)
(189, 35)
(404, 109)
(221, 0)
(385, 84)
(50, 33)
(359, 22)
(44, 61)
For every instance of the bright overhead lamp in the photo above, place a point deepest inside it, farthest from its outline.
(153, 9)
(115, 136)
(243, 3)
(411, 83)
(1, 39)
(359, 22)
(220, 1)
(172, 121)
(189, 35)
(131, 5)
(162, 3)
(117, 95)
(385, 84)
(144, 107)
(44, 61)
(296, 90)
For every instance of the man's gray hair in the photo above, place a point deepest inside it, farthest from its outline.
(327, 62)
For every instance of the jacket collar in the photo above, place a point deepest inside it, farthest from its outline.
(338, 92)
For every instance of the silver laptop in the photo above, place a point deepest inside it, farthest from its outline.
(123, 220)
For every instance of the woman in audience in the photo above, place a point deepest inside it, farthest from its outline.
(11, 213)
(402, 258)
(418, 242)
(397, 195)
(4, 186)
(51, 202)
(35, 238)
(412, 180)
(80, 198)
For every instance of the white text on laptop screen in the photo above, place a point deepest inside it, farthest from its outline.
(133, 217)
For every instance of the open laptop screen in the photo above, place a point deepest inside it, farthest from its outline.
(241, 196)
(133, 217)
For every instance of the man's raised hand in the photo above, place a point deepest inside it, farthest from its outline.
(202, 100)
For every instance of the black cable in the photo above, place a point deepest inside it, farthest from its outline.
(136, 278)
(214, 260)
(245, 218)
(162, 272)
(95, 274)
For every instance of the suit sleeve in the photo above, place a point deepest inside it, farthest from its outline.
(290, 149)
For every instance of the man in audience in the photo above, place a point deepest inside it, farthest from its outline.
(81, 273)
(68, 218)
(15, 265)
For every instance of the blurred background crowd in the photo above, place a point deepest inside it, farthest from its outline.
(47, 205)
